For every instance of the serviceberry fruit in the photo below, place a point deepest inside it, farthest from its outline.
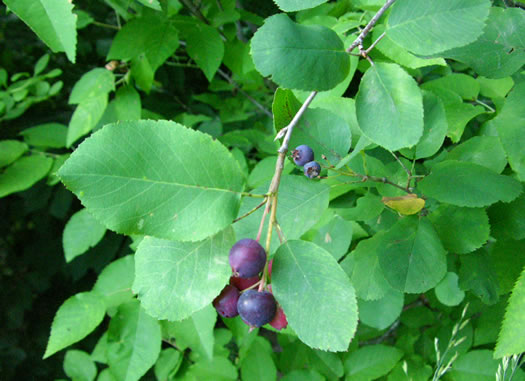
(257, 308)
(226, 302)
(302, 155)
(247, 258)
(279, 321)
(243, 283)
(312, 169)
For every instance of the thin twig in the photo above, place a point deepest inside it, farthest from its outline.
(368, 27)
(266, 210)
(287, 131)
(104, 25)
(409, 174)
(248, 96)
(375, 43)
(251, 211)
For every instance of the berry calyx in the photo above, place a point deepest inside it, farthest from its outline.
(247, 258)
(257, 308)
(312, 169)
(302, 155)
(279, 321)
(226, 302)
(243, 283)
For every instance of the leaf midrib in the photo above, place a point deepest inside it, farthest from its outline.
(158, 182)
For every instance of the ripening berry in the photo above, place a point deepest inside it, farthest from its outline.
(257, 308)
(243, 283)
(226, 302)
(247, 258)
(312, 169)
(302, 155)
(279, 321)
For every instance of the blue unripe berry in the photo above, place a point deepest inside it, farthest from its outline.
(257, 308)
(312, 169)
(302, 155)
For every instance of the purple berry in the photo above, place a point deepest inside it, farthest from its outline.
(279, 321)
(302, 155)
(226, 302)
(257, 308)
(244, 283)
(247, 258)
(312, 169)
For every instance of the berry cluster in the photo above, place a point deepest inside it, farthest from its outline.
(304, 156)
(256, 308)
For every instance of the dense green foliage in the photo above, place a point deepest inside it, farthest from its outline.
(133, 161)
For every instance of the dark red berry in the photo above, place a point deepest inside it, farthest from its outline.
(302, 155)
(226, 302)
(247, 258)
(257, 308)
(312, 169)
(243, 283)
(279, 321)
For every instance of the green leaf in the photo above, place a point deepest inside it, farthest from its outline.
(142, 72)
(478, 275)
(458, 113)
(152, 35)
(303, 375)
(127, 104)
(473, 185)
(52, 135)
(93, 84)
(509, 124)
(389, 107)
(499, 51)
(195, 332)
(86, 117)
(327, 363)
(462, 84)
(362, 267)
(316, 295)
(218, 369)
(114, 282)
(52, 20)
(175, 279)
(381, 313)
(23, 173)
(495, 88)
(74, 320)
(367, 207)
(508, 258)
(301, 204)
(325, 132)
(297, 5)
(483, 150)
(411, 256)
(429, 28)
(284, 107)
(134, 342)
(203, 44)
(304, 57)
(475, 365)
(448, 291)
(82, 232)
(11, 150)
(511, 340)
(461, 230)
(334, 236)
(371, 362)
(258, 363)
(78, 366)
(264, 170)
(399, 54)
(154, 178)
(168, 363)
(506, 220)
(99, 352)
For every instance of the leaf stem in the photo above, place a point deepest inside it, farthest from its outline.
(359, 40)
(491, 109)
(251, 211)
(104, 25)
